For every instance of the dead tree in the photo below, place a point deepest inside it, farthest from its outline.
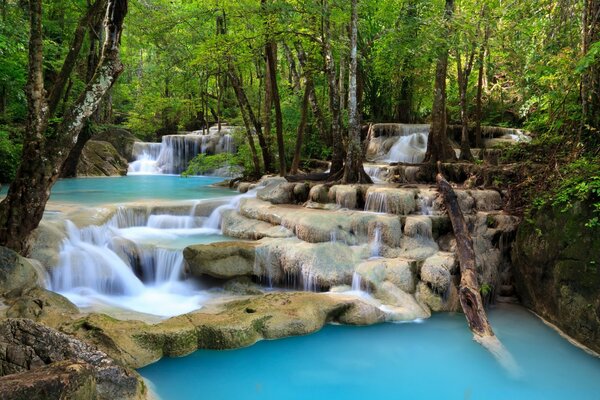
(469, 293)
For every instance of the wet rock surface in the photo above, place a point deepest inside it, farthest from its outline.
(557, 270)
(26, 345)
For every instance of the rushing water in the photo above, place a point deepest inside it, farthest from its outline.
(95, 191)
(135, 260)
(436, 359)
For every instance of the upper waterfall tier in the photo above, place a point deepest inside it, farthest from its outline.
(175, 152)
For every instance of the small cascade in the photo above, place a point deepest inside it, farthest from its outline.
(175, 152)
(86, 261)
(309, 280)
(377, 173)
(376, 245)
(425, 203)
(134, 261)
(408, 149)
(161, 265)
(174, 222)
(356, 282)
(397, 143)
(376, 202)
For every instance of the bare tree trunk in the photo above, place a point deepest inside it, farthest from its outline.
(314, 102)
(301, 127)
(353, 168)
(56, 91)
(276, 102)
(244, 107)
(438, 146)
(469, 291)
(294, 75)
(463, 85)
(337, 161)
(43, 155)
(69, 168)
(480, 77)
(246, 110)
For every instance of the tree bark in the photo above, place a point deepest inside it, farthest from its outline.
(337, 159)
(353, 169)
(246, 110)
(69, 168)
(438, 146)
(301, 128)
(314, 102)
(56, 91)
(271, 52)
(463, 85)
(43, 155)
(480, 76)
(470, 296)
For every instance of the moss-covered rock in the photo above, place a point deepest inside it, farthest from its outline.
(121, 139)
(557, 270)
(101, 159)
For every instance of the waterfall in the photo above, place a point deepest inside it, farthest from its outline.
(376, 243)
(134, 261)
(376, 202)
(356, 282)
(409, 149)
(175, 152)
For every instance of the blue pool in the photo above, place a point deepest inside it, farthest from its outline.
(94, 191)
(435, 359)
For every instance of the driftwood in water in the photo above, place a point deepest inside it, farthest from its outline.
(470, 297)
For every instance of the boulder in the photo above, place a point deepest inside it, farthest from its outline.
(101, 159)
(26, 345)
(68, 380)
(277, 191)
(399, 305)
(41, 305)
(121, 139)
(400, 272)
(17, 274)
(240, 227)
(223, 260)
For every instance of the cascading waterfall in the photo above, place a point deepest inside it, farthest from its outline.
(134, 261)
(175, 152)
(409, 149)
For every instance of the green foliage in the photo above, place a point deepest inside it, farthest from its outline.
(581, 183)
(203, 164)
(10, 155)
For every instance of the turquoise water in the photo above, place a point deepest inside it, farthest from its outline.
(94, 191)
(436, 359)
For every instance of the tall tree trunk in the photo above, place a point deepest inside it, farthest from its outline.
(22, 209)
(480, 78)
(301, 127)
(246, 110)
(353, 168)
(244, 107)
(55, 94)
(438, 146)
(69, 168)
(463, 85)
(271, 51)
(337, 159)
(314, 101)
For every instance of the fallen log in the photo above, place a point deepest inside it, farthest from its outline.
(469, 290)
